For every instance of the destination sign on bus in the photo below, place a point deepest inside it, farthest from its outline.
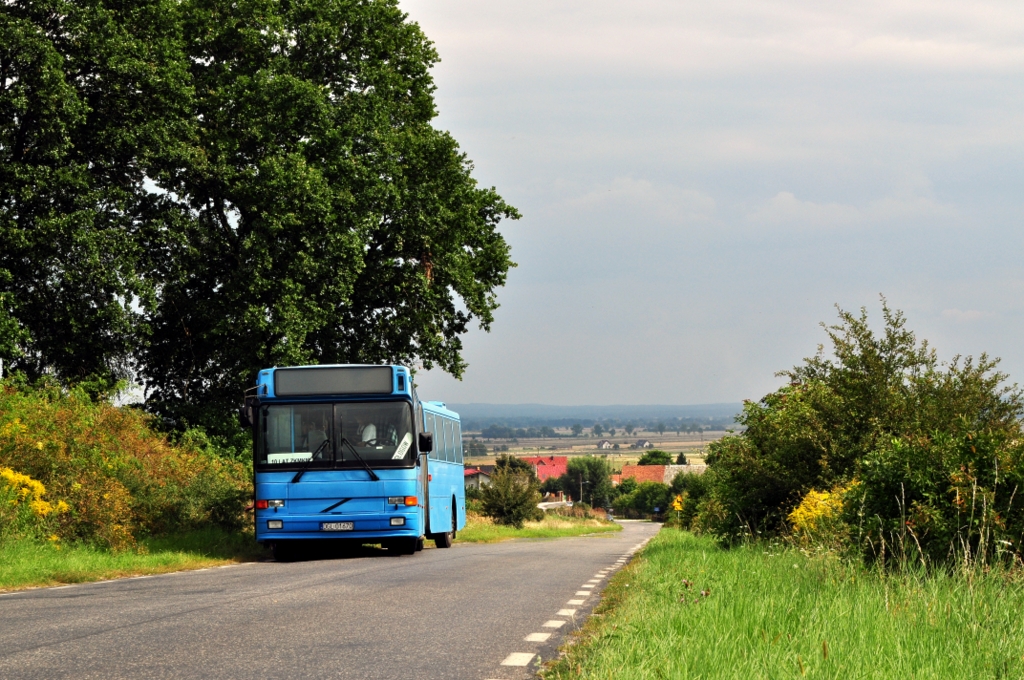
(317, 380)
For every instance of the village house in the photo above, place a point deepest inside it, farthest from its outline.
(643, 444)
(476, 477)
(604, 444)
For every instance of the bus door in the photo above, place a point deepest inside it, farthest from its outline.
(436, 474)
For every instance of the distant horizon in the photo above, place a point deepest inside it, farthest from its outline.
(487, 410)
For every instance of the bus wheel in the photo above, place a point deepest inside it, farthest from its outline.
(445, 540)
(419, 544)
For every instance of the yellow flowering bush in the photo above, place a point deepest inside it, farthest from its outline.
(818, 519)
(89, 471)
(23, 510)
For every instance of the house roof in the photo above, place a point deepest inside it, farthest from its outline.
(644, 473)
(469, 472)
(546, 460)
(548, 466)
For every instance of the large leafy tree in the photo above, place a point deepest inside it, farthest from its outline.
(262, 185)
(89, 92)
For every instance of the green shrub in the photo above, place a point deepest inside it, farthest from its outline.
(643, 501)
(655, 457)
(512, 496)
(690, 489)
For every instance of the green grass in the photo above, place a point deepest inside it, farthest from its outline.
(24, 564)
(481, 530)
(779, 614)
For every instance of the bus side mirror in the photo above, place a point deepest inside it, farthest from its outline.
(245, 414)
(426, 442)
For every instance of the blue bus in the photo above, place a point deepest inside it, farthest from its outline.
(350, 452)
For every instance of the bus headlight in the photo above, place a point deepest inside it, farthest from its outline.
(403, 500)
(275, 524)
(398, 521)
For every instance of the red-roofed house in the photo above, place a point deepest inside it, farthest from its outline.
(548, 466)
(476, 477)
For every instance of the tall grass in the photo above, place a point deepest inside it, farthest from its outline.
(483, 530)
(29, 563)
(687, 608)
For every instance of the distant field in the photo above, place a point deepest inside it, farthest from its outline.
(690, 443)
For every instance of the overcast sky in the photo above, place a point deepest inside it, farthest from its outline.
(701, 182)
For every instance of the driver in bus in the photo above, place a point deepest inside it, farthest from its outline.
(367, 433)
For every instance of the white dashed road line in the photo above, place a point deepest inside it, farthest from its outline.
(523, 659)
(518, 659)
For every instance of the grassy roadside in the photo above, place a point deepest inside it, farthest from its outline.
(483, 530)
(26, 564)
(782, 615)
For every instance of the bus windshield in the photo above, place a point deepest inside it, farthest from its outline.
(325, 435)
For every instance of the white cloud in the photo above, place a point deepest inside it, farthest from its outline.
(908, 204)
(690, 36)
(663, 202)
(964, 316)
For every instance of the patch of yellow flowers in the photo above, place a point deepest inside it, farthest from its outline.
(819, 508)
(31, 491)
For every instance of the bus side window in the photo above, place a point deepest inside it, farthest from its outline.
(437, 454)
(442, 441)
(429, 419)
(449, 441)
(458, 443)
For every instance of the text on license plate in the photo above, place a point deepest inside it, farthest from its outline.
(336, 526)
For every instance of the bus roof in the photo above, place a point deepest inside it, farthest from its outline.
(439, 408)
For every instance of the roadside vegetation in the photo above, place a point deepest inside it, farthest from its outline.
(867, 522)
(26, 563)
(483, 529)
(877, 452)
(89, 490)
(689, 608)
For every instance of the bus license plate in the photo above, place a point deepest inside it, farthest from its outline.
(336, 526)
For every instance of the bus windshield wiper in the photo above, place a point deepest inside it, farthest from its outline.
(373, 475)
(298, 475)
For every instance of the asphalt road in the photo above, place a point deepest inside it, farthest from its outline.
(460, 613)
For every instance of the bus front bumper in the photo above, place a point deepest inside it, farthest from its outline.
(313, 527)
